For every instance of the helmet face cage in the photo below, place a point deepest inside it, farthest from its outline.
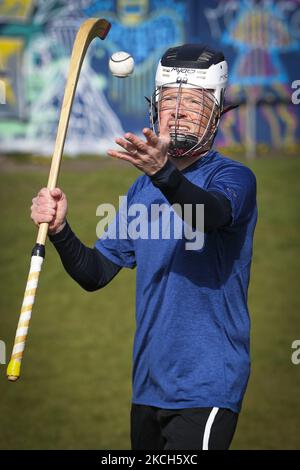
(193, 117)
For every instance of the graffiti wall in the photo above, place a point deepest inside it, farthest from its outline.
(261, 41)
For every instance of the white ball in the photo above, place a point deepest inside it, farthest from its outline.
(121, 64)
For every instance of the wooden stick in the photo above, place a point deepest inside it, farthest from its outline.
(89, 30)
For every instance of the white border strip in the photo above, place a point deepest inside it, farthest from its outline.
(208, 426)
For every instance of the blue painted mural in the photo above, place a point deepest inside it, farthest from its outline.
(261, 41)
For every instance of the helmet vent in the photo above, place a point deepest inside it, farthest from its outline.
(205, 56)
(195, 56)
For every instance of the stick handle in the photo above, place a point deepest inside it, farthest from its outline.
(14, 366)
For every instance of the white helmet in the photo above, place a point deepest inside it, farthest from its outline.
(192, 66)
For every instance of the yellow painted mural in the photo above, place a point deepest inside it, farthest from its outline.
(132, 12)
(16, 9)
(11, 50)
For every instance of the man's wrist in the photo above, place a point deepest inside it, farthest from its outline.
(167, 177)
(59, 229)
(61, 234)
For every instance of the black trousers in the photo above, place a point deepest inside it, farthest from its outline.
(183, 429)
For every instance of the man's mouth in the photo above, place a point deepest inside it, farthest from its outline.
(178, 129)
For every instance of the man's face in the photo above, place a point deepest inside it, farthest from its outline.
(186, 111)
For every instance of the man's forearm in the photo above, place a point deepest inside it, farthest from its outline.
(179, 190)
(87, 266)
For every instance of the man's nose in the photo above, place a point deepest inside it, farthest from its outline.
(179, 113)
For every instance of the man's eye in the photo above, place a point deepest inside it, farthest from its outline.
(194, 101)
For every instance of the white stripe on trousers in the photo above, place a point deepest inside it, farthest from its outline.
(208, 426)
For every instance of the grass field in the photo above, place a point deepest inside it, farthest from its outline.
(75, 390)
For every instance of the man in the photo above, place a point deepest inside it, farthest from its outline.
(191, 349)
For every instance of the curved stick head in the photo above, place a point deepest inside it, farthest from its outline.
(95, 27)
(104, 27)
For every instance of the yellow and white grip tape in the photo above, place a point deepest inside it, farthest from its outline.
(14, 366)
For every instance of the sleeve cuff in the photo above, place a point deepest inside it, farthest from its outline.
(61, 236)
(167, 177)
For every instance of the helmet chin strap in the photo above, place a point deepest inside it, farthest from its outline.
(181, 144)
(187, 145)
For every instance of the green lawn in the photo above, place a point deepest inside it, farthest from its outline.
(75, 388)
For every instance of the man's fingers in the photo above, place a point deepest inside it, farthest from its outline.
(41, 218)
(133, 143)
(46, 210)
(126, 145)
(121, 155)
(154, 140)
(151, 137)
(138, 143)
(44, 192)
(44, 207)
(49, 196)
(57, 193)
(43, 202)
(146, 156)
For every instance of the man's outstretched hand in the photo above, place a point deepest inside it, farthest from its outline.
(148, 156)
